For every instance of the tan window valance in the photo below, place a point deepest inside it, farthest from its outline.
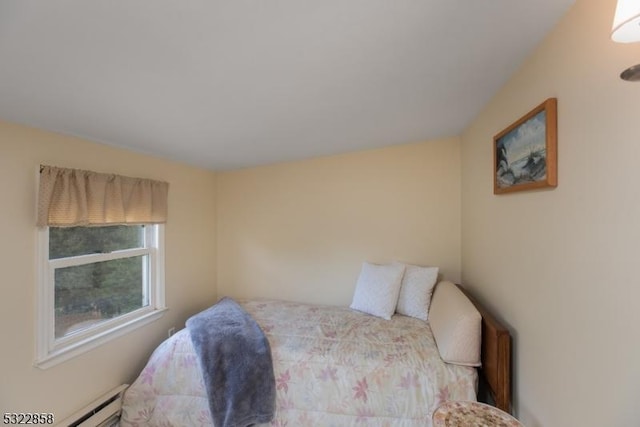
(73, 197)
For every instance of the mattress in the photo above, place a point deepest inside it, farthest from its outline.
(333, 367)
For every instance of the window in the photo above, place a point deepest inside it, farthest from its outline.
(101, 270)
(96, 284)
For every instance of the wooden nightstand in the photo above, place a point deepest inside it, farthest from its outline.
(472, 414)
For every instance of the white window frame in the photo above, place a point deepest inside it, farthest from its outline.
(51, 351)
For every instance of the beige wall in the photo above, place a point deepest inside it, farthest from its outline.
(301, 230)
(190, 269)
(560, 266)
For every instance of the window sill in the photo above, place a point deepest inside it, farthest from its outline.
(60, 355)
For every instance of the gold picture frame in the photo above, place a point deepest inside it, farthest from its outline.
(525, 155)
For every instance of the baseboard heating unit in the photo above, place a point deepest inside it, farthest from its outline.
(102, 412)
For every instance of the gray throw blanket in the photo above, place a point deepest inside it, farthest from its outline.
(236, 363)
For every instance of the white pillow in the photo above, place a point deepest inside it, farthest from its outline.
(377, 289)
(415, 291)
(456, 325)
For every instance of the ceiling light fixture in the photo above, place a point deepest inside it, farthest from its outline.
(626, 29)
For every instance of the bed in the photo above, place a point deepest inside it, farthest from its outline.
(333, 366)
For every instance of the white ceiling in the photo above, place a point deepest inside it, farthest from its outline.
(226, 84)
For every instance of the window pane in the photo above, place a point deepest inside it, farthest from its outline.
(89, 294)
(74, 241)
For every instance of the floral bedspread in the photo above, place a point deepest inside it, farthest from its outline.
(333, 367)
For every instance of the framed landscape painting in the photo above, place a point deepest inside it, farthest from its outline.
(525, 155)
